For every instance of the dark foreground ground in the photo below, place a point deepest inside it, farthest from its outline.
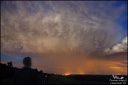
(87, 79)
(6, 75)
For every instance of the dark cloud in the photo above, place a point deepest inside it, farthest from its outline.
(71, 32)
(61, 25)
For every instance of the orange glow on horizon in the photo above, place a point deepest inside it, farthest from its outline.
(78, 63)
(66, 74)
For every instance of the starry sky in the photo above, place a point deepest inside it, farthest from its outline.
(76, 37)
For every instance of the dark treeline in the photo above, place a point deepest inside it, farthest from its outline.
(7, 75)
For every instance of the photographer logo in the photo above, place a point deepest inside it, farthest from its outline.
(118, 80)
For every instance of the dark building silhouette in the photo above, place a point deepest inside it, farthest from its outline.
(27, 75)
(12, 75)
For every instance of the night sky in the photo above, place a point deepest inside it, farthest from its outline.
(74, 37)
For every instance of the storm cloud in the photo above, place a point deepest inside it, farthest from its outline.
(66, 30)
(54, 26)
